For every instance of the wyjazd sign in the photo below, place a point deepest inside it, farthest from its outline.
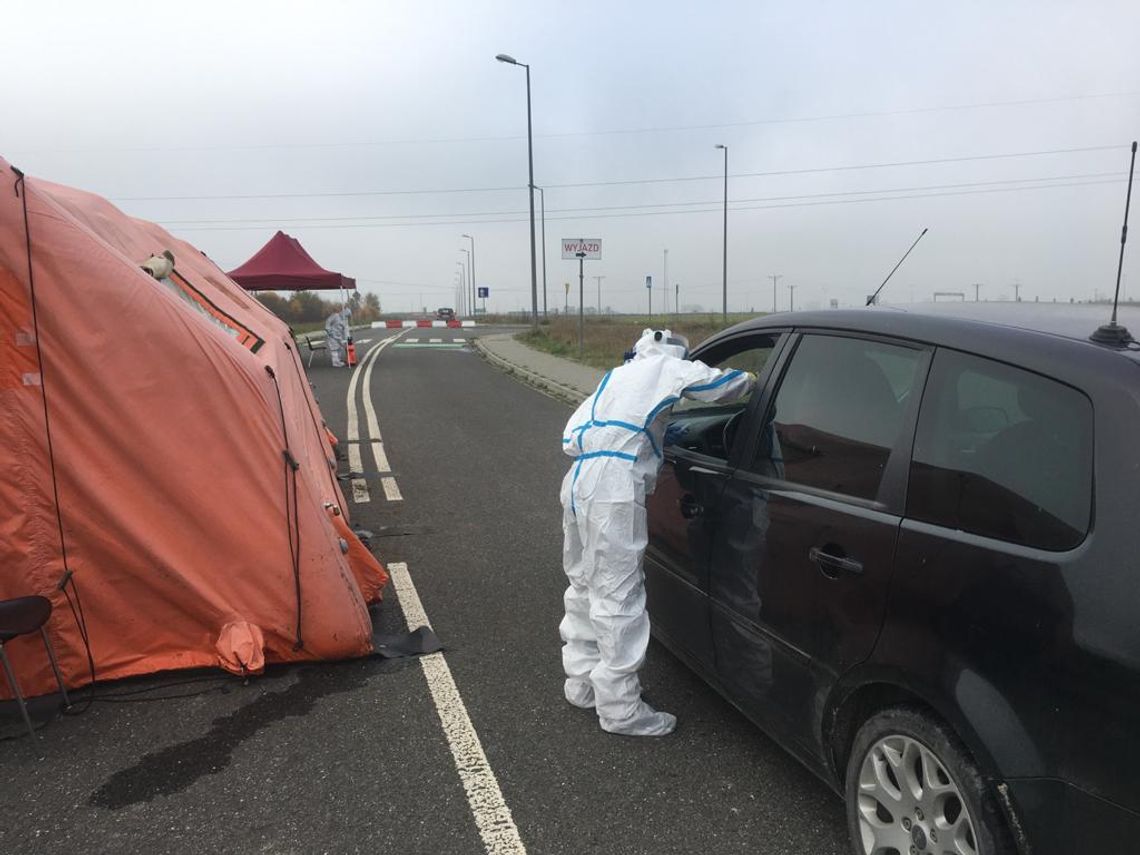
(591, 246)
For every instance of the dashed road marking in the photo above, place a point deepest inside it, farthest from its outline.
(391, 489)
(492, 815)
(434, 340)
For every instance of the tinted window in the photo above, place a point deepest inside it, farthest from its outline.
(1003, 453)
(838, 414)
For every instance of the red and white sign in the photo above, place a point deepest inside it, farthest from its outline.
(591, 246)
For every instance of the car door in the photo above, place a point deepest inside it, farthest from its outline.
(683, 508)
(807, 526)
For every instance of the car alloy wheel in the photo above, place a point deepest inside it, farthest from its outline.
(913, 789)
(909, 803)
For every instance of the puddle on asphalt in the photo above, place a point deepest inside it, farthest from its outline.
(173, 769)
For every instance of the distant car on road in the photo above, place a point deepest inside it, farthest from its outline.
(445, 314)
(904, 561)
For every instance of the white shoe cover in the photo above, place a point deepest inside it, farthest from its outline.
(645, 721)
(579, 693)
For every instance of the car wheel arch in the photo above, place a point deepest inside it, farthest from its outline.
(977, 715)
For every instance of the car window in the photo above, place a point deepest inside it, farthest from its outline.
(710, 428)
(752, 357)
(1004, 453)
(838, 413)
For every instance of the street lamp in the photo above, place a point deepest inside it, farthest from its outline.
(542, 198)
(724, 266)
(470, 274)
(462, 273)
(510, 60)
(473, 286)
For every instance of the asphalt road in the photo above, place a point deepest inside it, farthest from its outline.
(352, 757)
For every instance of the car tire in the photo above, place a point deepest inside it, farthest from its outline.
(912, 787)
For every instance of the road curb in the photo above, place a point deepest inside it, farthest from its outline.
(556, 390)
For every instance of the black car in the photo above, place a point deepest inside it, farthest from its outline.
(445, 314)
(913, 559)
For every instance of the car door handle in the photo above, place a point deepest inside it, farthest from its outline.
(690, 507)
(832, 565)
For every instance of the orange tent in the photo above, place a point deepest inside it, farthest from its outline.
(160, 439)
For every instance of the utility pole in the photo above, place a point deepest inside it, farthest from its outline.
(566, 303)
(581, 301)
(1017, 292)
(776, 277)
(599, 278)
(665, 286)
(977, 291)
(677, 299)
(792, 298)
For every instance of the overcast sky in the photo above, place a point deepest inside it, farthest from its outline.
(283, 102)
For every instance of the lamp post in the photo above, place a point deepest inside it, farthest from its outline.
(581, 301)
(542, 199)
(724, 266)
(510, 60)
(470, 276)
(462, 273)
(775, 277)
(472, 289)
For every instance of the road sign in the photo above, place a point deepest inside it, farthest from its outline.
(484, 291)
(648, 281)
(572, 246)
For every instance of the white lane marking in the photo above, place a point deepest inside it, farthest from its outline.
(485, 798)
(354, 461)
(412, 340)
(353, 424)
(434, 340)
(391, 490)
(382, 465)
(360, 494)
(361, 340)
(378, 453)
(459, 339)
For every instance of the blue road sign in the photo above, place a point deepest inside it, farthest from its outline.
(484, 292)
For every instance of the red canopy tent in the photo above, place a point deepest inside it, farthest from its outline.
(283, 265)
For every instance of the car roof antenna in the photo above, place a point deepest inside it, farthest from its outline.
(875, 297)
(1112, 332)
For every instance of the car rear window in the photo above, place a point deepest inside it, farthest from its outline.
(1004, 453)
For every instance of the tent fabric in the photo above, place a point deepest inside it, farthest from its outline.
(193, 470)
(284, 265)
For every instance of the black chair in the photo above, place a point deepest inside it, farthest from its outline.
(314, 348)
(23, 616)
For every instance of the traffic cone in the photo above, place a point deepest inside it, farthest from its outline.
(351, 353)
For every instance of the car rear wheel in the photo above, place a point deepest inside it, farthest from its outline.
(912, 789)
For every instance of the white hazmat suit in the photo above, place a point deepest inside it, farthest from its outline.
(615, 436)
(336, 336)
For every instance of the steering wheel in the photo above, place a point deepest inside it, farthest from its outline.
(728, 436)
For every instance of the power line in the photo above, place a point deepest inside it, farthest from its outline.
(786, 120)
(618, 182)
(667, 213)
(839, 193)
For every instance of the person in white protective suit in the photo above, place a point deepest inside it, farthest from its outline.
(336, 336)
(615, 436)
